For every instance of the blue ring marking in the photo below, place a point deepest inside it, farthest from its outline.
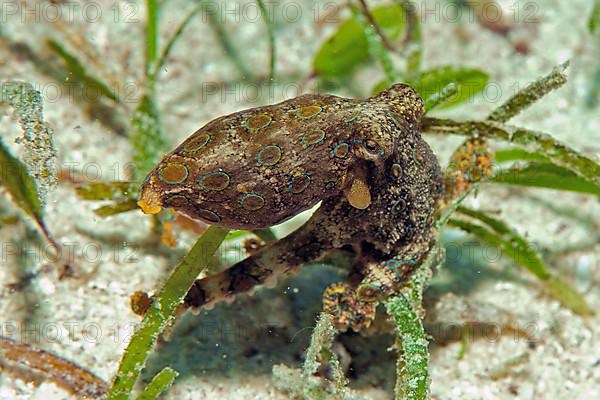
(187, 149)
(304, 142)
(171, 201)
(208, 215)
(374, 286)
(245, 122)
(213, 173)
(335, 149)
(371, 285)
(396, 167)
(393, 264)
(187, 173)
(265, 148)
(254, 195)
(297, 176)
(310, 116)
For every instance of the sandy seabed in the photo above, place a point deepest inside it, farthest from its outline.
(228, 353)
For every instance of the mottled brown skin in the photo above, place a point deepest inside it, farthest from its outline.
(256, 177)
(390, 235)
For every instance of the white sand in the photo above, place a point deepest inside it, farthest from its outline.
(229, 352)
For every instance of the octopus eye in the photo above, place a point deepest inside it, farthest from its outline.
(372, 147)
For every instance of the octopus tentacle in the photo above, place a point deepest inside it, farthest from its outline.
(393, 233)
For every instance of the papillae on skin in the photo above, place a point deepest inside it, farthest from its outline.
(381, 206)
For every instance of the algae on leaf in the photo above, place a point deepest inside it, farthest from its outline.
(159, 384)
(38, 141)
(162, 313)
(530, 94)
(28, 182)
(406, 309)
(302, 383)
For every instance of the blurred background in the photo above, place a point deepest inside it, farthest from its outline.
(121, 83)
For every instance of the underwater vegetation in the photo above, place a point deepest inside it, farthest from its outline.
(349, 154)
